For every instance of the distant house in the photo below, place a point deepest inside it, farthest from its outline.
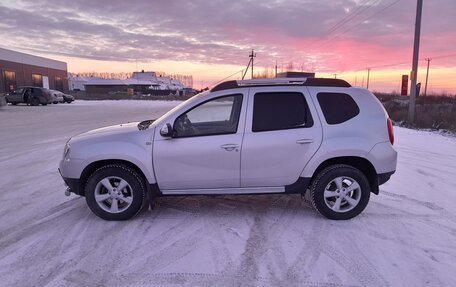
(105, 86)
(296, 75)
(20, 69)
(144, 76)
(140, 82)
(77, 83)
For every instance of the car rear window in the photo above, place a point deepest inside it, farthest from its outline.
(337, 107)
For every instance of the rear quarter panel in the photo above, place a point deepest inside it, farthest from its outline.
(355, 137)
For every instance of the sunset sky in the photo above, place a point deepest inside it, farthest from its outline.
(211, 40)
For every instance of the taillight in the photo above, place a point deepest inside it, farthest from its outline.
(389, 123)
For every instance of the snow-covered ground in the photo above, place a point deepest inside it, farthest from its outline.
(405, 237)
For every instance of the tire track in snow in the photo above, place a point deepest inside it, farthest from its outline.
(260, 246)
(204, 279)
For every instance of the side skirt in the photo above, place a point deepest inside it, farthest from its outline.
(300, 186)
(220, 191)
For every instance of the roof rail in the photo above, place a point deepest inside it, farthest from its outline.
(316, 82)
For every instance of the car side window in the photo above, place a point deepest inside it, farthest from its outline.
(337, 107)
(214, 117)
(279, 111)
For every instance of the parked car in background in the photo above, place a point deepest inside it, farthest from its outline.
(33, 96)
(67, 98)
(2, 100)
(62, 97)
(56, 96)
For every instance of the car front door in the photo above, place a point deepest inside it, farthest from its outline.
(16, 95)
(204, 151)
(281, 135)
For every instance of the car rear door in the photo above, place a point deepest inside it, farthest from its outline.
(282, 133)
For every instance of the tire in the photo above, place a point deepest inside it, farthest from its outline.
(340, 192)
(34, 101)
(101, 192)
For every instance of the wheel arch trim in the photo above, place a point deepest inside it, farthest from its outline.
(360, 163)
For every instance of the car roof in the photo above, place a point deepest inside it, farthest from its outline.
(315, 82)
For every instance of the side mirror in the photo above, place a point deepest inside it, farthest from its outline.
(166, 130)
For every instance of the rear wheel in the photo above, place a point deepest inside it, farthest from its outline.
(340, 192)
(115, 192)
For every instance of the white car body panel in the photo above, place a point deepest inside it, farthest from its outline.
(383, 156)
(276, 158)
(260, 162)
(353, 138)
(199, 162)
(120, 142)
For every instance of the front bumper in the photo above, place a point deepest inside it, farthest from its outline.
(73, 184)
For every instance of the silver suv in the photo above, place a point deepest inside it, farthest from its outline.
(284, 136)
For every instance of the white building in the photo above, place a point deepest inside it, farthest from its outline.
(77, 83)
(139, 81)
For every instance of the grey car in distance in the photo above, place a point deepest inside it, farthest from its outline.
(33, 96)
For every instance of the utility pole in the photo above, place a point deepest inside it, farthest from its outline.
(416, 52)
(252, 55)
(368, 76)
(427, 75)
(276, 69)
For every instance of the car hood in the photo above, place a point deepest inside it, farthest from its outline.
(110, 131)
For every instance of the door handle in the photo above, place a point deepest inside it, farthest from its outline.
(230, 147)
(304, 141)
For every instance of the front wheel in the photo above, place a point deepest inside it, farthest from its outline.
(340, 192)
(115, 192)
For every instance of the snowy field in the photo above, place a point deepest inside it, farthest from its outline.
(405, 237)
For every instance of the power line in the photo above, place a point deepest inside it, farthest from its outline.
(360, 9)
(232, 75)
(348, 18)
(373, 15)
(337, 35)
(226, 78)
(444, 56)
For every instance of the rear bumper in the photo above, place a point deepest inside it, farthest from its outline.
(384, 177)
